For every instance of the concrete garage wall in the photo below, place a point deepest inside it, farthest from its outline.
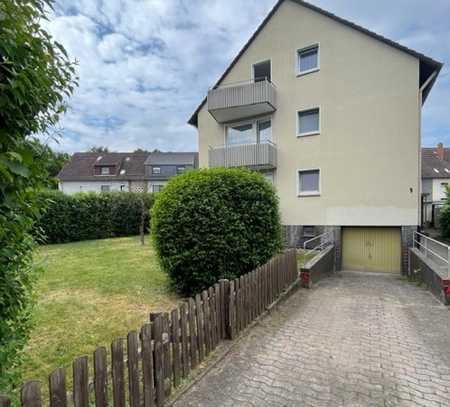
(320, 266)
(425, 270)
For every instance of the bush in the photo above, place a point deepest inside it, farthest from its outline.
(445, 221)
(214, 223)
(71, 218)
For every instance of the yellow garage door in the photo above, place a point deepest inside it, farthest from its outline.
(371, 249)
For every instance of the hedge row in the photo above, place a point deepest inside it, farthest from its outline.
(87, 216)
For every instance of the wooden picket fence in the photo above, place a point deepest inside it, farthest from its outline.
(155, 360)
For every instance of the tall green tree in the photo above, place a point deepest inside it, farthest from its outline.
(53, 161)
(36, 78)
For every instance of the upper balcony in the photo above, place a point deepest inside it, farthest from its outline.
(257, 156)
(241, 100)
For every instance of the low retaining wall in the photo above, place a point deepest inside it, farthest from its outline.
(429, 272)
(320, 266)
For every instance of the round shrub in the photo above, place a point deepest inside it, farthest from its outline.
(214, 223)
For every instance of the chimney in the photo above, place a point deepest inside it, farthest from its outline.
(440, 151)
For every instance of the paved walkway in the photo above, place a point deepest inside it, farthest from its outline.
(357, 339)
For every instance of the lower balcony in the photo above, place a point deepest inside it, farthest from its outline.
(258, 156)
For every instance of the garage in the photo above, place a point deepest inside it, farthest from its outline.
(373, 249)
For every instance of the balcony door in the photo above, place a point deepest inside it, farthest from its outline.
(249, 132)
(262, 71)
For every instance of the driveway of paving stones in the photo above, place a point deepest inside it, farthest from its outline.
(355, 339)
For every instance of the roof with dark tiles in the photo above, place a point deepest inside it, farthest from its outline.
(128, 166)
(433, 166)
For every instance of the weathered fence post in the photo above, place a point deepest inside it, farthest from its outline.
(4, 401)
(57, 388)
(100, 377)
(31, 394)
(81, 382)
(147, 366)
(225, 307)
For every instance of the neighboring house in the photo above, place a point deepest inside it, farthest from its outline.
(331, 113)
(435, 180)
(161, 166)
(133, 172)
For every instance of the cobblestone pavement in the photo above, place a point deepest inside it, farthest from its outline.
(356, 339)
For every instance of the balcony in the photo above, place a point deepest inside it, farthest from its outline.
(241, 100)
(255, 156)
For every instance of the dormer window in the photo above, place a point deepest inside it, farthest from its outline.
(156, 170)
(180, 170)
(105, 171)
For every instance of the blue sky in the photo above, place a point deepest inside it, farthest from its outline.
(144, 65)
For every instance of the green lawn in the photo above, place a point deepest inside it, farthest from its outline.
(88, 294)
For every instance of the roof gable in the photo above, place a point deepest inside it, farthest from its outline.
(427, 64)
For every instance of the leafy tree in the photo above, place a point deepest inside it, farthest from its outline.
(99, 149)
(53, 161)
(36, 77)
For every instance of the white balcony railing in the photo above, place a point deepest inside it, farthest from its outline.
(257, 156)
(241, 100)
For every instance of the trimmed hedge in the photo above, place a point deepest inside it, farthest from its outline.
(88, 216)
(444, 220)
(215, 223)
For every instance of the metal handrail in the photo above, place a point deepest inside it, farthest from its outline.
(240, 145)
(326, 239)
(424, 242)
(239, 83)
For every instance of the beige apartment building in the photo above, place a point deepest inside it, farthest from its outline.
(331, 114)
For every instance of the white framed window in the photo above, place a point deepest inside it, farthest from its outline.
(105, 188)
(249, 132)
(308, 182)
(262, 71)
(157, 187)
(308, 122)
(104, 170)
(308, 60)
(181, 169)
(156, 170)
(269, 176)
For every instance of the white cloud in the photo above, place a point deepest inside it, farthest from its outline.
(145, 65)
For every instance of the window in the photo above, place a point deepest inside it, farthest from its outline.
(264, 131)
(308, 60)
(241, 134)
(258, 131)
(308, 182)
(309, 231)
(105, 171)
(157, 188)
(105, 188)
(122, 187)
(269, 176)
(156, 170)
(262, 71)
(181, 169)
(444, 186)
(309, 122)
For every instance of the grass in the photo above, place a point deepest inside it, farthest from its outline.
(88, 294)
